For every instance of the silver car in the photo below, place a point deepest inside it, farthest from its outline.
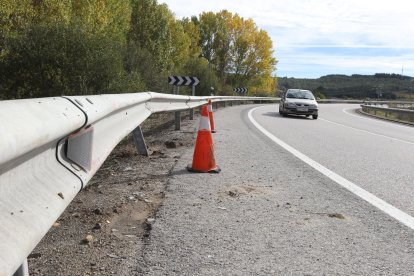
(298, 102)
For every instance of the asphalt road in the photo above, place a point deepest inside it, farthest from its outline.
(376, 155)
(270, 213)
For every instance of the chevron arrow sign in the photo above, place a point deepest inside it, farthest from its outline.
(183, 80)
(241, 90)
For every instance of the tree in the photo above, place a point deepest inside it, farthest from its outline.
(200, 68)
(54, 47)
(154, 28)
(15, 16)
(48, 61)
(192, 30)
(240, 53)
(215, 41)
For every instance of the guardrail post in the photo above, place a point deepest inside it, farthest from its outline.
(177, 113)
(23, 270)
(191, 115)
(224, 104)
(177, 120)
(140, 141)
(192, 109)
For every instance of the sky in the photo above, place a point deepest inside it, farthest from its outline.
(313, 38)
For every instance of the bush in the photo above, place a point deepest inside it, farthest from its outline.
(139, 60)
(59, 60)
(199, 67)
(127, 83)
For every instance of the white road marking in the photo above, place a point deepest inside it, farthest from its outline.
(366, 131)
(345, 110)
(387, 208)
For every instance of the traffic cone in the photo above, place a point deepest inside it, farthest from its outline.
(203, 159)
(210, 115)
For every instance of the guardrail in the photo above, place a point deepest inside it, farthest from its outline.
(393, 114)
(402, 105)
(394, 104)
(51, 148)
(340, 101)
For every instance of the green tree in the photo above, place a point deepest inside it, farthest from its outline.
(154, 28)
(49, 61)
(192, 30)
(200, 68)
(215, 41)
(140, 61)
(15, 16)
(240, 53)
(53, 47)
(105, 17)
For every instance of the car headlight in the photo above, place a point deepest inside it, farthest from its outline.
(291, 104)
(313, 106)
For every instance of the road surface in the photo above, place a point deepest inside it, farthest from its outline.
(283, 208)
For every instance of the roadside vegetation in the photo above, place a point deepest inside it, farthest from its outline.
(382, 86)
(79, 47)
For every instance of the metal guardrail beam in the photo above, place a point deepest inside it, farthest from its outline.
(392, 114)
(339, 101)
(51, 148)
(368, 102)
(389, 102)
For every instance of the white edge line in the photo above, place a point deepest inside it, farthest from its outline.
(387, 208)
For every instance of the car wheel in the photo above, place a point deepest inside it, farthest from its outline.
(281, 111)
(315, 117)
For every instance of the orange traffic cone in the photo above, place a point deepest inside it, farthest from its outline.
(210, 115)
(203, 159)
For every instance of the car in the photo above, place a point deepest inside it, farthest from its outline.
(298, 102)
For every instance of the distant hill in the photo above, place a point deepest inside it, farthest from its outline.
(388, 86)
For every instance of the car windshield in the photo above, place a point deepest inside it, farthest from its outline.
(300, 94)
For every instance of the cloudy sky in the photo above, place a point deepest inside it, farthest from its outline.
(312, 38)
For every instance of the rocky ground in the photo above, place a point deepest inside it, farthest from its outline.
(104, 230)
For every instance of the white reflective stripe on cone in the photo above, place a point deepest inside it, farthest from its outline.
(210, 107)
(204, 124)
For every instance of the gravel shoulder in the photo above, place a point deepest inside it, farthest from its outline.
(104, 230)
(268, 213)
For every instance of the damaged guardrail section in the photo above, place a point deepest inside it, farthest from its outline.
(51, 148)
(393, 114)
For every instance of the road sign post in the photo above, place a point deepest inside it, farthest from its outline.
(177, 113)
(178, 81)
(241, 90)
(192, 109)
